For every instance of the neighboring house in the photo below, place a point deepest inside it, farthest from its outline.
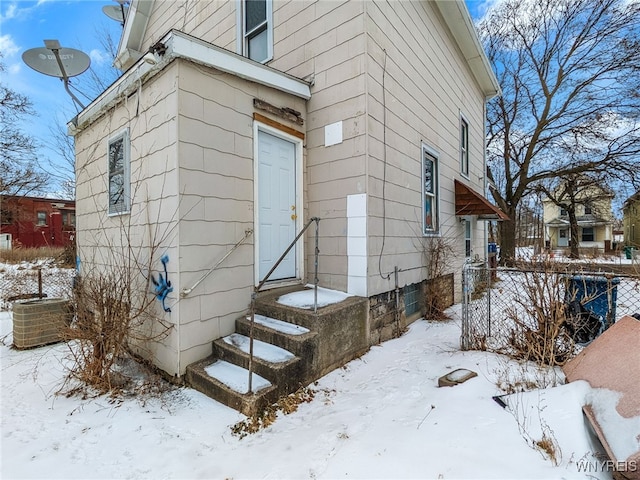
(237, 119)
(631, 220)
(36, 222)
(594, 218)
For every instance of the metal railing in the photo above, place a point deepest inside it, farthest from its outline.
(187, 291)
(257, 288)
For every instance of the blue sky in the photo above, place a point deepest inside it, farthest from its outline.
(25, 25)
(75, 23)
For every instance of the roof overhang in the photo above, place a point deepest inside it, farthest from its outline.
(457, 17)
(470, 202)
(130, 47)
(175, 45)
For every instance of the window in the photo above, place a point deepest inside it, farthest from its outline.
(563, 211)
(587, 209)
(464, 147)
(587, 234)
(257, 29)
(411, 299)
(42, 218)
(119, 174)
(430, 191)
(467, 238)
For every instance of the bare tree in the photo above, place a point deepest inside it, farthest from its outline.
(19, 173)
(570, 77)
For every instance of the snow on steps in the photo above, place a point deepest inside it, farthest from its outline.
(225, 376)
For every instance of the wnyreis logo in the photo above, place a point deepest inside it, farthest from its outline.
(586, 466)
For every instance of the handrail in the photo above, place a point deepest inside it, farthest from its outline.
(257, 288)
(187, 291)
(291, 245)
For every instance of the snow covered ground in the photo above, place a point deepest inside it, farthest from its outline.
(381, 416)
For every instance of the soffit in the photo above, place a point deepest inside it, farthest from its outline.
(130, 47)
(457, 17)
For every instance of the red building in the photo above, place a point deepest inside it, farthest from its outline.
(36, 222)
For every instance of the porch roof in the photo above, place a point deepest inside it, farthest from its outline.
(470, 202)
(583, 221)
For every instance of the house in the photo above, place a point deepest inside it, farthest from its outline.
(236, 124)
(36, 221)
(594, 217)
(631, 220)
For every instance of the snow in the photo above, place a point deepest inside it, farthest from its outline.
(621, 433)
(279, 325)
(305, 298)
(235, 377)
(265, 351)
(380, 416)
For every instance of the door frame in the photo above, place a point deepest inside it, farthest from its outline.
(299, 249)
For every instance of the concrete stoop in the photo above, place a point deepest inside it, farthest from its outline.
(292, 348)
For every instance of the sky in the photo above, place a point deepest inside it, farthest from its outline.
(76, 24)
(25, 25)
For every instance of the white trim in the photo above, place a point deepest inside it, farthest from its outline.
(180, 45)
(241, 34)
(298, 144)
(191, 48)
(456, 15)
(425, 149)
(134, 28)
(463, 120)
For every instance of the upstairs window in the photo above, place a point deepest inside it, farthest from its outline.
(587, 210)
(119, 182)
(430, 192)
(42, 218)
(563, 212)
(257, 29)
(464, 147)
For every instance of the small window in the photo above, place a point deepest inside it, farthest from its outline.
(467, 239)
(42, 218)
(464, 147)
(119, 184)
(411, 299)
(257, 29)
(587, 234)
(430, 191)
(587, 210)
(563, 211)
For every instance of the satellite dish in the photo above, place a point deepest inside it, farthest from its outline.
(117, 13)
(43, 60)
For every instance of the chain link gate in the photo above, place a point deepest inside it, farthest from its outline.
(476, 306)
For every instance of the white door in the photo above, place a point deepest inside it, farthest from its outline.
(563, 237)
(276, 205)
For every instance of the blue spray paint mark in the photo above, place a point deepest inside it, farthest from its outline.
(163, 285)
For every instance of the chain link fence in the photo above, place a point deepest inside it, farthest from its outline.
(553, 308)
(26, 282)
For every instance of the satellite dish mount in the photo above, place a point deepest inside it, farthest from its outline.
(54, 46)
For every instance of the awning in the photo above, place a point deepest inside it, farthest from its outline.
(469, 202)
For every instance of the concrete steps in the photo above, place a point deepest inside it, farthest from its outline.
(292, 348)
